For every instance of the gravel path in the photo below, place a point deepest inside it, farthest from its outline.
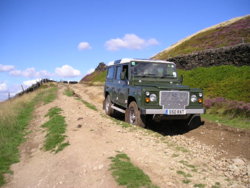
(170, 161)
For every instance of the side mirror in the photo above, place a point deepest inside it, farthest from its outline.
(181, 79)
(123, 76)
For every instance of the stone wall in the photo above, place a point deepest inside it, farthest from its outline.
(238, 55)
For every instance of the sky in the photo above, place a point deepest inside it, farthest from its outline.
(67, 39)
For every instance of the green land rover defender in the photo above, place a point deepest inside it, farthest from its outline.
(150, 89)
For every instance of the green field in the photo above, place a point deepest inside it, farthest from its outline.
(225, 81)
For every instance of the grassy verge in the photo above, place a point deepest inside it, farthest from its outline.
(48, 95)
(235, 122)
(71, 93)
(127, 174)
(89, 105)
(68, 92)
(56, 128)
(15, 116)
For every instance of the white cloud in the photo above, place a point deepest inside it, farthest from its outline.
(90, 71)
(31, 82)
(83, 46)
(67, 71)
(6, 68)
(129, 41)
(31, 73)
(3, 87)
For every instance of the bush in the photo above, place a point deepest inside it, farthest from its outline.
(230, 108)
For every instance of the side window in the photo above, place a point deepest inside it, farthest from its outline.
(125, 71)
(110, 73)
(118, 72)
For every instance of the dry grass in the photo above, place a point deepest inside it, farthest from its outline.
(15, 115)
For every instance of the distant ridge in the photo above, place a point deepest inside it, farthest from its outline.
(228, 33)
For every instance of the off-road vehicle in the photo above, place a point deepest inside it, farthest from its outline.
(150, 89)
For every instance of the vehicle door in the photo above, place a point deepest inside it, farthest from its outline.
(122, 85)
(116, 82)
(110, 83)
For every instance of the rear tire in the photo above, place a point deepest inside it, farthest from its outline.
(133, 115)
(107, 107)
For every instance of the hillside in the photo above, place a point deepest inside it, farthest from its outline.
(97, 76)
(229, 33)
(226, 81)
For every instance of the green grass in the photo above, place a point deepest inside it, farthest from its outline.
(100, 77)
(186, 181)
(56, 128)
(229, 82)
(216, 185)
(15, 116)
(235, 122)
(121, 123)
(68, 92)
(194, 169)
(127, 174)
(50, 94)
(226, 81)
(87, 104)
(184, 174)
(200, 185)
(182, 149)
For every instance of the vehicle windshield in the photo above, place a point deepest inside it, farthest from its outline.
(155, 70)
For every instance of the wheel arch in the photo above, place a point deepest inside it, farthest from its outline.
(106, 94)
(130, 99)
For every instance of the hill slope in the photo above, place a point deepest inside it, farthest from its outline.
(97, 76)
(229, 33)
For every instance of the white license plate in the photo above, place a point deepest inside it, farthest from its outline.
(175, 111)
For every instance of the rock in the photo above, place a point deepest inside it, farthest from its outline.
(100, 166)
(238, 162)
(79, 126)
(101, 67)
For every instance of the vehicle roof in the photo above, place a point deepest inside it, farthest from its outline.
(127, 60)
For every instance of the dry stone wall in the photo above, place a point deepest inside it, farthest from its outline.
(238, 55)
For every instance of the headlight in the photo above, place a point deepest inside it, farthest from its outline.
(200, 94)
(193, 98)
(153, 97)
(147, 93)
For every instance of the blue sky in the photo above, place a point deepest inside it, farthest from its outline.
(65, 39)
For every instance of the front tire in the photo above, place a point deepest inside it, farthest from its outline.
(194, 122)
(133, 115)
(108, 110)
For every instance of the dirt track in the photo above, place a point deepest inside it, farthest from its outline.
(93, 138)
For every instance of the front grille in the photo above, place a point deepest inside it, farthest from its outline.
(174, 99)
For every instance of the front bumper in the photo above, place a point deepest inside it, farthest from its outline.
(163, 111)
